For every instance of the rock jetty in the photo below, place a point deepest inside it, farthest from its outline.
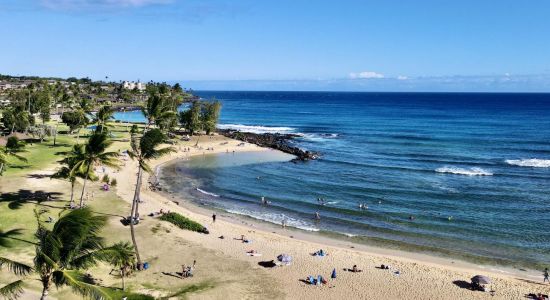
(276, 141)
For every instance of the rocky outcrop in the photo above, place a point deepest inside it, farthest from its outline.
(272, 140)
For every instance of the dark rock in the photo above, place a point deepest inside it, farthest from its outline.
(272, 140)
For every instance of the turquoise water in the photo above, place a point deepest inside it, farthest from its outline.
(472, 170)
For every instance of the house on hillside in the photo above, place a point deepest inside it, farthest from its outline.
(130, 85)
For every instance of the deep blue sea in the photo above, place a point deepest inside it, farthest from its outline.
(459, 174)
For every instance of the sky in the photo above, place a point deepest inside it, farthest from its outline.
(344, 45)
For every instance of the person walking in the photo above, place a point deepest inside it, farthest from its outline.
(214, 218)
(546, 275)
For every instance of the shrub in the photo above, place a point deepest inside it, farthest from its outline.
(113, 182)
(105, 178)
(183, 222)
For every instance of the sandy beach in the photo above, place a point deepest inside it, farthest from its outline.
(410, 275)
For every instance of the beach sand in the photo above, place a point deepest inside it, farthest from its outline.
(236, 275)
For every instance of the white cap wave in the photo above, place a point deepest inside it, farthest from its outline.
(464, 171)
(530, 162)
(255, 129)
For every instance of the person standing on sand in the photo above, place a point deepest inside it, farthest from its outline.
(546, 275)
(214, 218)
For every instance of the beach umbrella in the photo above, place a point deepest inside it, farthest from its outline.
(481, 279)
(284, 258)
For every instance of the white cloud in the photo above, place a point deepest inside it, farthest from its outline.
(366, 75)
(401, 77)
(97, 4)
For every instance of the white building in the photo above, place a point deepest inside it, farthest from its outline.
(130, 85)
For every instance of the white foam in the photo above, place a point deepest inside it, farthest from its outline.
(530, 162)
(256, 129)
(275, 219)
(464, 171)
(318, 137)
(207, 193)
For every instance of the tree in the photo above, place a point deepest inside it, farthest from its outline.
(14, 289)
(103, 115)
(17, 119)
(143, 150)
(210, 115)
(156, 110)
(12, 149)
(95, 154)
(68, 163)
(191, 118)
(123, 260)
(71, 246)
(74, 119)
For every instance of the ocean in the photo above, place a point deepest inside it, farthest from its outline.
(462, 175)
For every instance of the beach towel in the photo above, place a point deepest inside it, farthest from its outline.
(254, 254)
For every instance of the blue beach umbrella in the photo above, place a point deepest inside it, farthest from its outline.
(333, 275)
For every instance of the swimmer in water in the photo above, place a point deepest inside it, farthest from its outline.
(317, 216)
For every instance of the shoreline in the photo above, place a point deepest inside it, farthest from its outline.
(293, 238)
(342, 240)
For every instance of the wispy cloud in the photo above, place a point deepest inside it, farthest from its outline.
(84, 5)
(365, 75)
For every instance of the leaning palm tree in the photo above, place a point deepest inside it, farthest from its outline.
(95, 153)
(71, 246)
(12, 149)
(143, 150)
(68, 163)
(14, 289)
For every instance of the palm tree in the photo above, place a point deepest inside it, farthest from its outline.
(12, 149)
(103, 115)
(143, 150)
(156, 109)
(124, 259)
(71, 246)
(95, 154)
(68, 163)
(14, 289)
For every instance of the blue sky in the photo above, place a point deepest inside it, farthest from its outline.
(385, 45)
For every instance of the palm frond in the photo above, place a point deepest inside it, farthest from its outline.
(12, 291)
(5, 237)
(77, 282)
(17, 268)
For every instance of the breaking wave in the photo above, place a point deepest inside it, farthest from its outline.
(275, 218)
(533, 162)
(464, 171)
(208, 193)
(256, 129)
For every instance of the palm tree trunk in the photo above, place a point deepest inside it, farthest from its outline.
(84, 185)
(133, 213)
(1, 168)
(122, 274)
(72, 192)
(45, 289)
